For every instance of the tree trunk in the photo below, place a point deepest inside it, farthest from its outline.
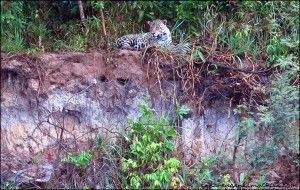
(104, 28)
(80, 9)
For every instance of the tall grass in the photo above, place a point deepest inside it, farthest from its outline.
(248, 26)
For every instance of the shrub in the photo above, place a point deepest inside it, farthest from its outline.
(273, 119)
(81, 160)
(149, 162)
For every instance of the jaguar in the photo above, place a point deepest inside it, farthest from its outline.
(158, 36)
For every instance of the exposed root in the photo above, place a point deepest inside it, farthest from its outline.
(221, 75)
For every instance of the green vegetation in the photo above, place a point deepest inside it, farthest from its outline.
(203, 172)
(149, 162)
(251, 27)
(274, 118)
(181, 111)
(266, 31)
(8, 185)
(81, 160)
(261, 181)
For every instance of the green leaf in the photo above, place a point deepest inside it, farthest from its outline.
(172, 163)
(182, 111)
(169, 145)
(141, 16)
(243, 177)
(171, 132)
(136, 126)
(157, 183)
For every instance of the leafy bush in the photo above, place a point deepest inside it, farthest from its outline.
(81, 160)
(12, 16)
(12, 23)
(261, 181)
(203, 172)
(275, 49)
(149, 162)
(241, 41)
(274, 118)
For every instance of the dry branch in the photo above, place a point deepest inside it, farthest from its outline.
(81, 12)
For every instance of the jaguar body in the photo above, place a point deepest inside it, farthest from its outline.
(159, 36)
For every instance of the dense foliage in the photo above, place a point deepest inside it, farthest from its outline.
(252, 27)
(149, 162)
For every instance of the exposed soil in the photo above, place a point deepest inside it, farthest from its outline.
(116, 81)
(60, 69)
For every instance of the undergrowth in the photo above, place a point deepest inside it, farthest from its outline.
(251, 27)
(81, 160)
(149, 162)
(273, 121)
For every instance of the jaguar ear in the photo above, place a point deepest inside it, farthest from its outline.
(164, 21)
(149, 23)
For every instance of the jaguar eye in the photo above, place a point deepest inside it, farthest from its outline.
(164, 33)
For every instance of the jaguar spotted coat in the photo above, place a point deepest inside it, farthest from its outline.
(159, 36)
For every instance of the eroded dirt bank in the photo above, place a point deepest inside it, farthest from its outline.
(88, 93)
(54, 102)
(75, 91)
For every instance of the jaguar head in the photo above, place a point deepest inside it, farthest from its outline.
(159, 30)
